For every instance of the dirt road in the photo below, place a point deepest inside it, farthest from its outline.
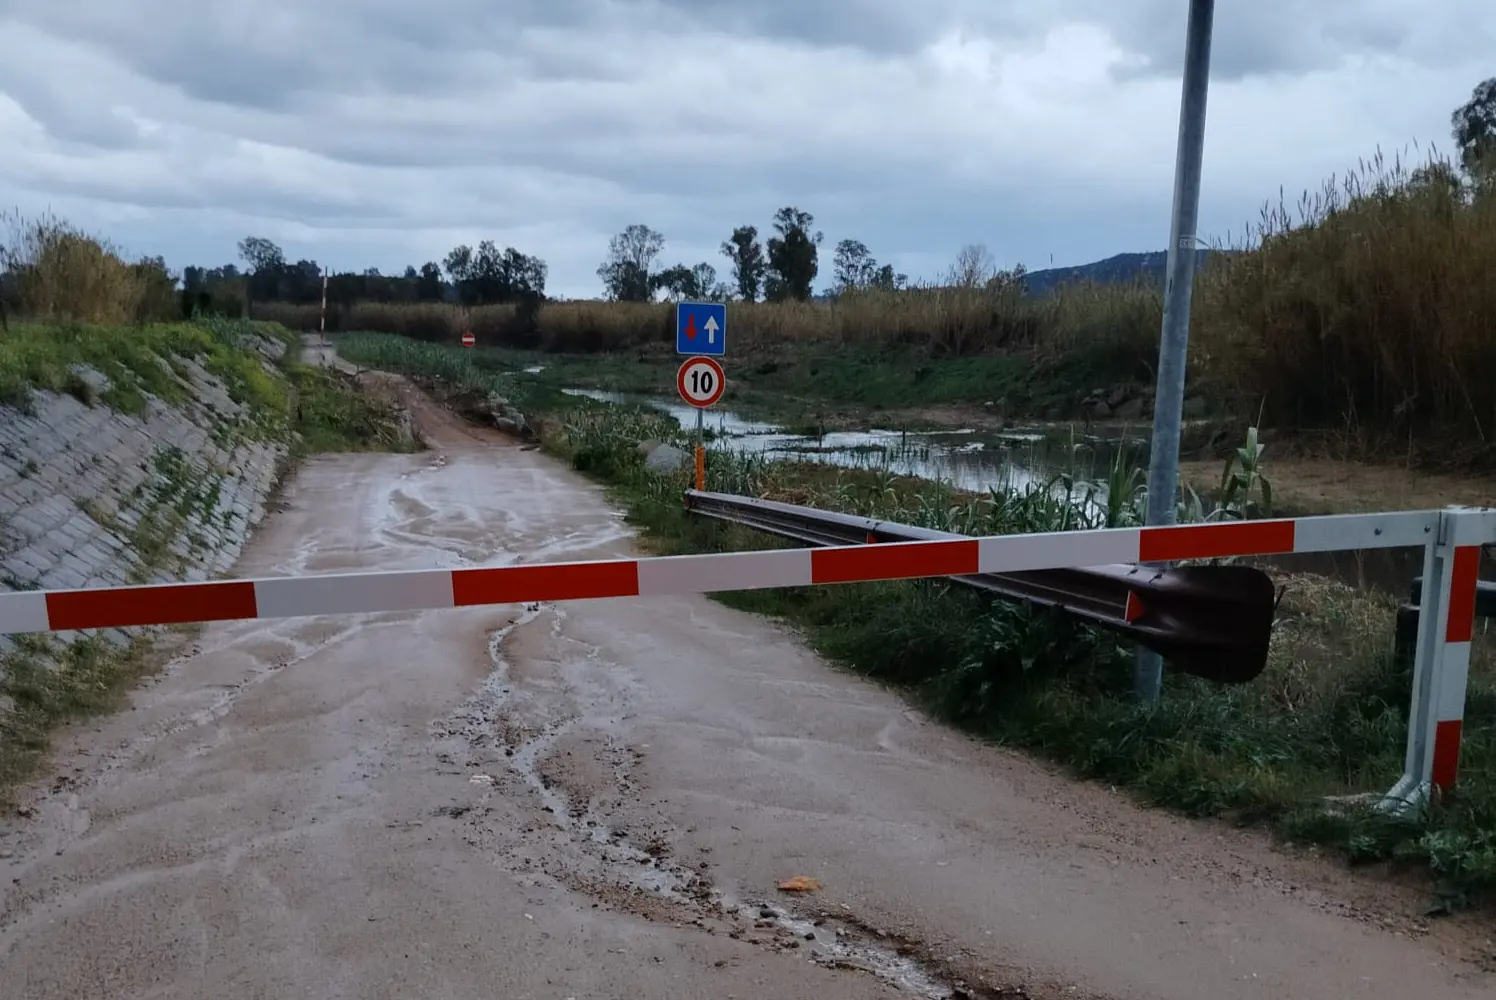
(598, 800)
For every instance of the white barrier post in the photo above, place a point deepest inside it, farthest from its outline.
(1441, 665)
(322, 320)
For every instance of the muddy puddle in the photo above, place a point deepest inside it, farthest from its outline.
(551, 734)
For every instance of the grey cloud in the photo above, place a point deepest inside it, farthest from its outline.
(383, 128)
(1267, 37)
(88, 127)
(881, 26)
(277, 54)
(1260, 37)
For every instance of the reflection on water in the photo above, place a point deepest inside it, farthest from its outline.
(965, 459)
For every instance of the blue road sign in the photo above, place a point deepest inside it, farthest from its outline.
(701, 328)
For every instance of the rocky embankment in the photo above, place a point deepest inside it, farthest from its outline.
(91, 496)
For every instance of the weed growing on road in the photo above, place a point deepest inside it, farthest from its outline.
(48, 683)
(331, 414)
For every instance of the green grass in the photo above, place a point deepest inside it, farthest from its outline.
(50, 685)
(1326, 719)
(137, 362)
(332, 415)
(454, 371)
(812, 383)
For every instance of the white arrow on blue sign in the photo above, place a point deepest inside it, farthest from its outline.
(701, 328)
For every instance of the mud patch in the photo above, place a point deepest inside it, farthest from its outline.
(548, 779)
(586, 772)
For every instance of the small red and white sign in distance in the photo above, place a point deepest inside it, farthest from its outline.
(701, 382)
(468, 340)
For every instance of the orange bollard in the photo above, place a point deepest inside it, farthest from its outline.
(700, 467)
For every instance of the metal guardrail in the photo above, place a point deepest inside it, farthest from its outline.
(1209, 621)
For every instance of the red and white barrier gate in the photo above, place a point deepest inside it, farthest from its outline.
(1452, 540)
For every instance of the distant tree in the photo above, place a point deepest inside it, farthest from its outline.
(301, 282)
(490, 276)
(675, 281)
(680, 282)
(429, 286)
(261, 254)
(793, 256)
(459, 265)
(1439, 176)
(853, 265)
(218, 291)
(974, 267)
(158, 296)
(627, 273)
(704, 277)
(889, 280)
(517, 277)
(266, 263)
(748, 265)
(1474, 124)
(1014, 280)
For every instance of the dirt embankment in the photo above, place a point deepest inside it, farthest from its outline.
(599, 800)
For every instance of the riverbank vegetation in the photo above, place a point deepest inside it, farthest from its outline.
(1327, 719)
(1377, 278)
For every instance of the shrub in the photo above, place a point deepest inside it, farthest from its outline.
(1372, 314)
(58, 273)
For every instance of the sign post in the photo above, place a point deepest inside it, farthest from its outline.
(700, 382)
(701, 333)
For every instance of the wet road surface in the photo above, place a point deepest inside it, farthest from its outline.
(598, 800)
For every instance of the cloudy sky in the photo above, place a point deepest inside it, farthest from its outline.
(376, 133)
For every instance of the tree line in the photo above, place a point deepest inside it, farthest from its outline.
(783, 267)
(470, 276)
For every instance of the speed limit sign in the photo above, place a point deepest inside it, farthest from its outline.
(700, 381)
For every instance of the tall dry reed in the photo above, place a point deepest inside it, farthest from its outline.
(1370, 309)
(58, 273)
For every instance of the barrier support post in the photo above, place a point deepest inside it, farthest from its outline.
(1441, 663)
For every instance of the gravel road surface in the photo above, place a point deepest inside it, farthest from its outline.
(598, 800)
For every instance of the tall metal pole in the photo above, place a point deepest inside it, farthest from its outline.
(1168, 400)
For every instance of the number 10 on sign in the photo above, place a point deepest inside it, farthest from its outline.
(700, 381)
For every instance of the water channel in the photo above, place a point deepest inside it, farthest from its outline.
(967, 459)
(1007, 460)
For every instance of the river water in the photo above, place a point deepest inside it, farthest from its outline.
(965, 458)
(981, 460)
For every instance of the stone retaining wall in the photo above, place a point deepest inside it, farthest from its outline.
(90, 496)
